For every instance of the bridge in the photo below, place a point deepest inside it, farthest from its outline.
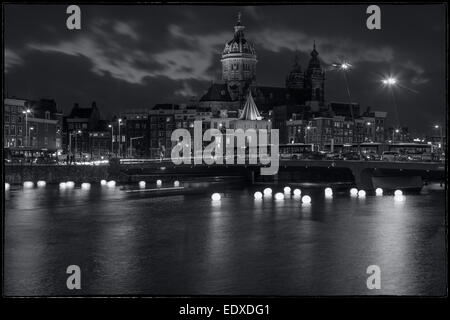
(366, 174)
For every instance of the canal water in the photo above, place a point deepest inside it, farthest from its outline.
(133, 244)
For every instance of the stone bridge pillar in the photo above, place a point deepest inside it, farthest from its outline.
(363, 177)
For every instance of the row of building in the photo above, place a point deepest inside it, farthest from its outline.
(298, 110)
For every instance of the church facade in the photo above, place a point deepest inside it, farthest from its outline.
(239, 62)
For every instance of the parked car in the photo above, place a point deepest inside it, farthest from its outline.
(351, 156)
(390, 156)
(372, 156)
(315, 156)
(334, 156)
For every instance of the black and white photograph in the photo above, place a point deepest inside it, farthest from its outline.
(224, 150)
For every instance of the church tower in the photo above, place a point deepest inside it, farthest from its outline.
(315, 79)
(295, 78)
(238, 63)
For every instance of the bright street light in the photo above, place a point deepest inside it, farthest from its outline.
(389, 81)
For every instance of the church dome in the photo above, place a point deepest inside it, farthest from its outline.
(239, 44)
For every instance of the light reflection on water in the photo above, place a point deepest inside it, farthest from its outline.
(190, 245)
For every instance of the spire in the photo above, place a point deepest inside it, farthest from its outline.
(250, 111)
(314, 53)
(239, 28)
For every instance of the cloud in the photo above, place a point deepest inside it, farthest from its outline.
(12, 59)
(126, 30)
(330, 49)
(418, 77)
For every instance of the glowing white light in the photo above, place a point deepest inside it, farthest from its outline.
(158, 183)
(279, 196)
(141, 184)
(41, 183)
(379, 191)
(328, 191)
(111, 184)
(70, 184)
(7, 186)
(287, 190)
(103, 182)
(353, 191)
(215, 196)
(398, 193)
(85, 185)
(62, 185)
(28, 184)
(176, 184)
(399, 197)
(297, 192)
(267, 191)
(390, 81)
(345, 66)
(306, 199)
(258, 195)
(361, 193)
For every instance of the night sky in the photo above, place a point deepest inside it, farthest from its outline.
(132, 57)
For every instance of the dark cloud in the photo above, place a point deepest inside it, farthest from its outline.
(139, 55)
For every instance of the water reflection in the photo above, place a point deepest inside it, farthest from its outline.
(132, 244)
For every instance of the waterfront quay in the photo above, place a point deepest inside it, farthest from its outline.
(362, 174)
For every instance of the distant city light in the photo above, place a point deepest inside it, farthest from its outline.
(297, 192)
(62, 185)
(306, 199)
(111, 184)
(103, 182)
(85, 185)
(287, 190)
(176, 184)
(215, 196)
(28, 184)
(41, 183)
(158, 183)
(353, 191)
(258, 195)
(141, 184)
(361, 193)
(328, 192)
(389, 81)
(7, 186)
(379, 191)
(398, 193)
(267, 191)
(279, 196)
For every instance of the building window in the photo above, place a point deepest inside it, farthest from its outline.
(6, 130)
(19, 130)
(47, 114)
(12, 130)
(45, 141)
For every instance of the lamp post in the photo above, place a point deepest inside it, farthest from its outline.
(344, 67)
(440, 136)
(26, 112)
(112, 136)
(76, 141)
(119, 121)
(29, 131)
(393, 135)
(131, 144)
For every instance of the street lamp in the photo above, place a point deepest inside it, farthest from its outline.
(390, 81)
(112, 136)
(26, 112)
(393, 134)
(344, 67)
(119, 121)
(29, 131)
(76, 141)
(441, 136)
